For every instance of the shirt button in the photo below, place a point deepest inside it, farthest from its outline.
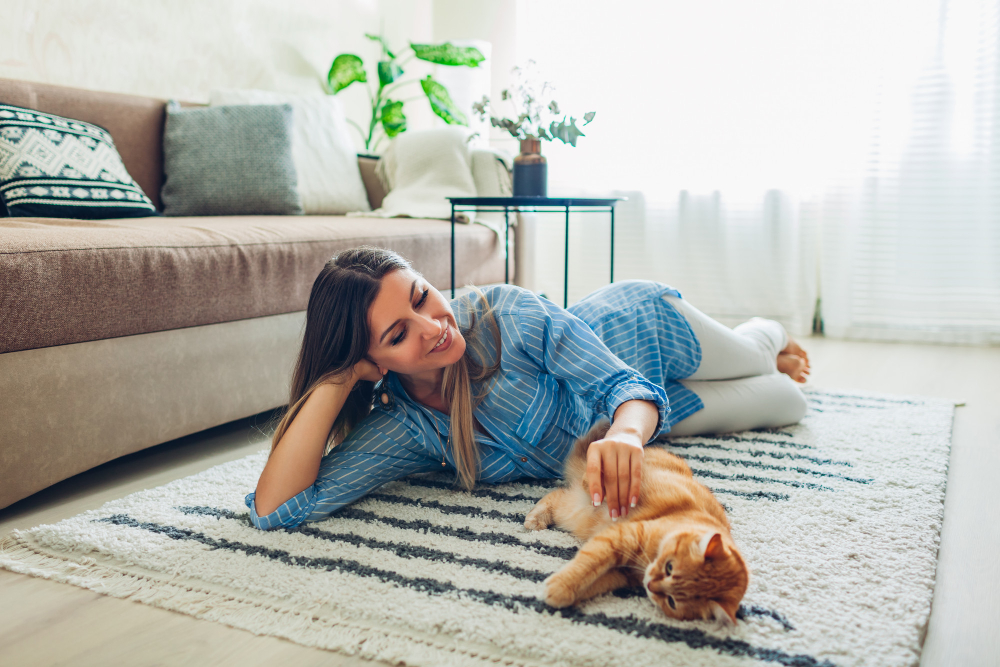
(524, 459)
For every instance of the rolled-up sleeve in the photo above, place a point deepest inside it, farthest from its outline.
(562, 345)
(380, 449)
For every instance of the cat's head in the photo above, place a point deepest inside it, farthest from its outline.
(697, 574)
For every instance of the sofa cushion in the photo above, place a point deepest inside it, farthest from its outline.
(230, 160)
(60, 167)
(322, 148)
(70, 281)
(135, 123)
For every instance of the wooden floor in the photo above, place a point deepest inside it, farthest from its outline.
(46, 623)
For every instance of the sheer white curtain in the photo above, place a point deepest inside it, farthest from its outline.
(753, 140)
(911, 249)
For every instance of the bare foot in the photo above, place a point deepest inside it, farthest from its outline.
(793, 366)
(796, 349)
(793, 361)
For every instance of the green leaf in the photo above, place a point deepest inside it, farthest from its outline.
(448, 54)
(393, 120)
(345, 70)
(441, 102)
(565, 132)
(482, 106)
(385, 46)
(589, 116)
(508, 124)
(388, 71)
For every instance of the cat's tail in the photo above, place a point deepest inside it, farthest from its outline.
(576, 462)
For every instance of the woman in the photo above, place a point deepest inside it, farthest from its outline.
(497, 385)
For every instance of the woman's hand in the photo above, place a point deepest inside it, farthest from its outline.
(367, 370)
(614, 471)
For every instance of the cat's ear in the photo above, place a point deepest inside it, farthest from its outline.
(722, 615)
(711, 546)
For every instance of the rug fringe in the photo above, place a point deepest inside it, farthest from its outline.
(17, 554)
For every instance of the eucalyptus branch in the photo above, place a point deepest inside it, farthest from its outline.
(533, 112)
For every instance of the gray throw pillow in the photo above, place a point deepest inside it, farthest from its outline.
(229, 160)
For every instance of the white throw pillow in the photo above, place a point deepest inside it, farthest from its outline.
(422, 169)
(322, 149)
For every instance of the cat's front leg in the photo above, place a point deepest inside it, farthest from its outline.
(600, 554)
(541, 515)
(611, 580)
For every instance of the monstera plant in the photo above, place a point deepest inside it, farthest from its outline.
(386, 102)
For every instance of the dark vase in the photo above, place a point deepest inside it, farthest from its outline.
(530, 170)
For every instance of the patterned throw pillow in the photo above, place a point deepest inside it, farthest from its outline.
(54, 167)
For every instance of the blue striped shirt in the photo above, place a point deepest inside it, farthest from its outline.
(561, 372)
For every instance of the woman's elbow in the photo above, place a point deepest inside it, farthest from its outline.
(264, 506)
(274, 518)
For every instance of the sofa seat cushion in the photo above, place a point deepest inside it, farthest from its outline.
(71, 281)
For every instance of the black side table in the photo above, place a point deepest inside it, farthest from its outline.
(531, 204)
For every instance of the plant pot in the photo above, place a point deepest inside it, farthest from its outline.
(530, 170)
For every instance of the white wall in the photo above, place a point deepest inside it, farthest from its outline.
(184, 48)
(493, 21)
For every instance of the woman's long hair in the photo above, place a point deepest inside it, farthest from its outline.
(337, 337)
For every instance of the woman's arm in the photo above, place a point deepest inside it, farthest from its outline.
(636, 419)
(566, 347)
(294, 463)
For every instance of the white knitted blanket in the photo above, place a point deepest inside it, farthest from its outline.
(838, 518)
(420, 170)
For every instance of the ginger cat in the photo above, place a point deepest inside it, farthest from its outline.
(675, 542)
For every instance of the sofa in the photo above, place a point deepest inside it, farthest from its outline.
(118, 335)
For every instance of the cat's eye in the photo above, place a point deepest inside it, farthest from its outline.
(670, 567)
(670, 601)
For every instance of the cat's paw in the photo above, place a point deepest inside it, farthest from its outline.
(536, 520)
(557, 593)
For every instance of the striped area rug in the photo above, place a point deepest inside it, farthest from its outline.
(838, 518)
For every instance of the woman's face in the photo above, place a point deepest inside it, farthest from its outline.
(413, 328)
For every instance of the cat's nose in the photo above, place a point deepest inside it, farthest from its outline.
(655, 585)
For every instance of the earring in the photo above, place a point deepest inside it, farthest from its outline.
(384, 395)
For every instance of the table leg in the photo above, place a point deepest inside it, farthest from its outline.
(612, 244)
(452, 251)
(566, 264)
(506, 245)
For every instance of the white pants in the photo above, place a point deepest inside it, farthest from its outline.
(738, 379)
